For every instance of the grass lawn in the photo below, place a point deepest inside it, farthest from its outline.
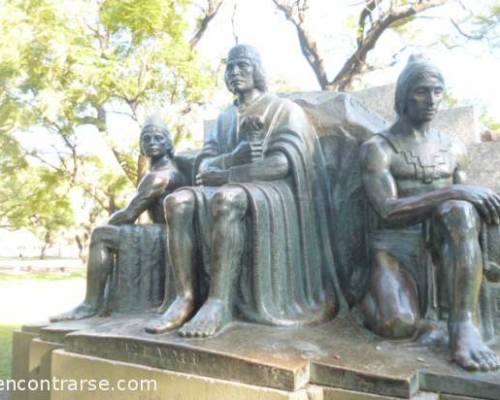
(6, 277)
(5, 350)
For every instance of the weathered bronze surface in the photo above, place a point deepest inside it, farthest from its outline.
(120, 242)
(280, 209)
(252, 239)
(340, 353)
(427, 261)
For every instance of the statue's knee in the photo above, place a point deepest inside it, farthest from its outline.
(178, 205)
(459, 218)
(229, 203)
(103, 233)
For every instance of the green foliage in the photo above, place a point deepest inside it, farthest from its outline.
(145, 18)
(35, 198)
(491, 122)
(69, 64)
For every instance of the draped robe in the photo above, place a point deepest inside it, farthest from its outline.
(287, 274)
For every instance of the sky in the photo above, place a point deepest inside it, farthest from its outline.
(470, 69)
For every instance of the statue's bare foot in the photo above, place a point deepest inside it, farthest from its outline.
(83, 311)
(430, 333)
(469, 350)
(179, 312)
(209, 320)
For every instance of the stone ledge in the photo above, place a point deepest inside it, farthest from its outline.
(171, 385)
(338, 354)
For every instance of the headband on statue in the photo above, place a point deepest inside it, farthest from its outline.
(418, 65)
(157, 122)
(244, 51)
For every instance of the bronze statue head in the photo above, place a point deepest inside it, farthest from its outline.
(244, 60)
(419, 90)
(155, 139)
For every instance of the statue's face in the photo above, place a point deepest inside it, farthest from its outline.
(240, 75)
(154, 142)
(424, 98)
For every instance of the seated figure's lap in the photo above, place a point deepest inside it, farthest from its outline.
(229, 200)
(455, 219)
(391, 306)
(106, 234)
(178, 203)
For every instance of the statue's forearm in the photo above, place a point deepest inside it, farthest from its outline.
(275, 166)
(414, 209)
(222, 161)
(134, 209)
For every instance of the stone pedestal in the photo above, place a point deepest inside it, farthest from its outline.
(21, 359)
(338, 360)
(153, 383)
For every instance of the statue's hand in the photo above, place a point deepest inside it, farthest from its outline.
(242, 154)
(213, 177)
(486, 201)
(118, 217)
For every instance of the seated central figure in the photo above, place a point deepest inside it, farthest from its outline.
(252, 239)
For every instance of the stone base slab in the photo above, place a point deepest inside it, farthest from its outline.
(339, 354)
(168, 384)
(21, 359)
(341, 394)
(338, 360)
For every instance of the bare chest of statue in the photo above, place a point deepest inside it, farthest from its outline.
(420, 166)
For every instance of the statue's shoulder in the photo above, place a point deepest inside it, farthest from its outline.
(376, 151)
(159, 179)
(380, 141)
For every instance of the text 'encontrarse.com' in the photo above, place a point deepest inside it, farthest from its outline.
(78, 385)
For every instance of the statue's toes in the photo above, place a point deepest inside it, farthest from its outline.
(208, 329)
(58, 318)
(196, 329)
(153, 326)
(490, 361)
(482, 359)
(466, 362)
(188, 330)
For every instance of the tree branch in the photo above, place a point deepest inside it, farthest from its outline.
(295, 13)
(370, 29)
(479, 36)
(354, 65)
(211, 11)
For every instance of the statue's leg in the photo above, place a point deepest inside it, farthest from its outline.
(229, 207)
(179, 212)
(460, 257)
(103, 242)
(390, 306)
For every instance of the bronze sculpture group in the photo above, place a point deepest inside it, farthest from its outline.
(251, 238)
